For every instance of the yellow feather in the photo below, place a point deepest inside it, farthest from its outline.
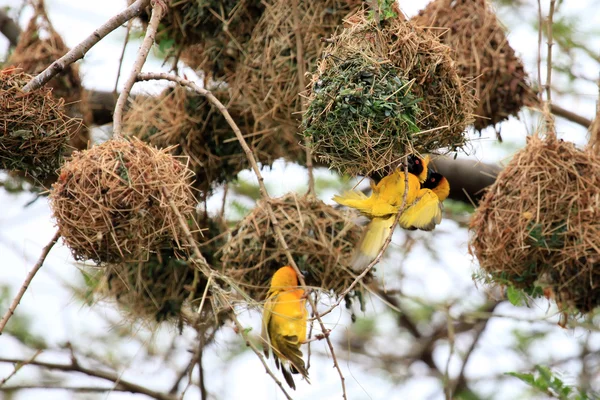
(424, 214)
(372, 241)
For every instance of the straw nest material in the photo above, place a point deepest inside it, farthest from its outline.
(538, 226)
(270, 77)
(383, 91)
(182, 118)
(482, 54)
(320, 238)
(154, 289)
(158, 287)
(208, 35)
(111, 204)
(38, 47)
(34, 130)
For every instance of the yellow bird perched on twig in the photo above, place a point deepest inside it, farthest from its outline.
(284, 324)
(423, 208)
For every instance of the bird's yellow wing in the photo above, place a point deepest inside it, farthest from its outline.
(371, 242)
(424, 214)
(266, 320)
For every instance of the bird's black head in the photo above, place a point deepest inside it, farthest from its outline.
(433, 180)
(415, 165)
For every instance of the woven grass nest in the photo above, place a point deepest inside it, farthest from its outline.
(109, 202)
(538, 226)
(34, 129)
(382, 91)
(38, 47)
(179, 117)
(157, 288)
(269, 78)
(320, 238)
(482, 54)
(208, 35)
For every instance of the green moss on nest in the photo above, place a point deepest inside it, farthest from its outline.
(358, 97)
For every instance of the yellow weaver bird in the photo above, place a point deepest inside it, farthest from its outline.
(423, 206)
(284, 324)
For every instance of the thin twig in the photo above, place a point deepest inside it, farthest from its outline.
(82, 48)
(547, 105)
(18, 367)
(302, 85)
(249, 343)
(539, 53)
(76, 389)
(109, 376)
(570, 115)
(9, 28)
(125, 42)
(158, 10)
(27, 282)
(203, 393)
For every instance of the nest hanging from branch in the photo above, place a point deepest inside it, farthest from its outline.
(34, 130)
(179, 117)
(269, 77)
(320, 238)
(538, 226)
(383, 91)
(207, 35)
(482, 54)
(155, 289)
(110, 203)
(38, 47)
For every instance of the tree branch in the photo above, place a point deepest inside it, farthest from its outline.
(82, 48)
(158, 10)
(109, 376)
(9, 28)
(11, 310)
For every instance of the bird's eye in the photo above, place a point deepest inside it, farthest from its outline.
(417, 161)
(432, 179)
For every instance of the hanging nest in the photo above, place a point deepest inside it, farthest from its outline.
(482, 54)
(382, 91)
(538, 226)
(270, 78)
(38, 47)
(109, 202)
(208, 35)
(154, 289)
(320, 238)
(179, 117)
(34, 130)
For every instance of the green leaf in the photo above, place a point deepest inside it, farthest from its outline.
(515, 296)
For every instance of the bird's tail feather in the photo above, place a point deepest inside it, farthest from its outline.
(372, 241)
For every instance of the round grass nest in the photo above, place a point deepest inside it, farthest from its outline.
(34, 129)
(381, 92)
(109, 203)
(38, 47)
(482, 54)
(320, 238)
(538, 225)
(208, 35)
(269, 77)
(180, 117)
(154, 289)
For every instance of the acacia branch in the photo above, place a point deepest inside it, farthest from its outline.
(11, 310)
(158, 11)
(109, 376)
(79, 51)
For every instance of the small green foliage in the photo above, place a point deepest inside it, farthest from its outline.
(515, 296)
(545, 381)
(555, 240)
